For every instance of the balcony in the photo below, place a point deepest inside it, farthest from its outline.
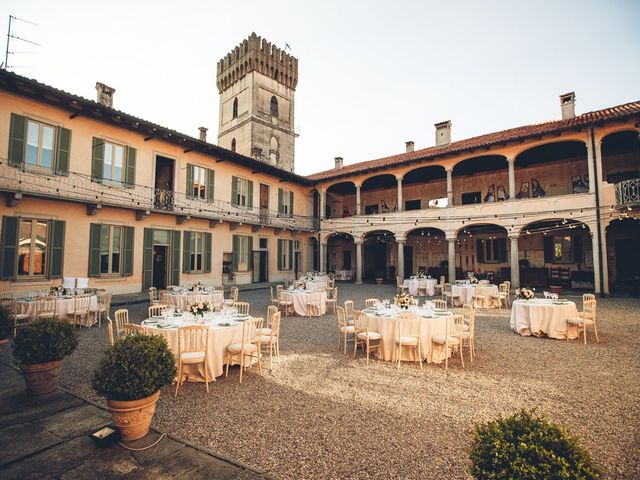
(628, 193)
(80, 188)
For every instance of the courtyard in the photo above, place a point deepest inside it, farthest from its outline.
(323, 414)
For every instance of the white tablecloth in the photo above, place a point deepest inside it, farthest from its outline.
(220, 337)
(180, 299)
(413, 284)
(343, 275)
(300, 300)
(541, 316)
(64, 306)
(466, 293)
(430, 327)
(316, 285)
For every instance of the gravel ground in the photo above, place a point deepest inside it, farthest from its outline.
(321, 414)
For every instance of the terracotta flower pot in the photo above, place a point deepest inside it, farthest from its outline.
(133, 417)
(4, 341)
(41, 378)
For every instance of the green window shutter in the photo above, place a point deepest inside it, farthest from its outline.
(130, 176)
(280, 195)
(62, 151)
(17, 140)
(127, 269)
(94, 249)
(290, 255)
(175, 258)
(234, 190)
(480, 251)
(98, 159)
(147, 259)
(207, 253)
(250, 253)
(235, 248)
(280, 254)
(211, 175)
(186, 253)
(189, 186)
(291, 203)
(56, 240)
(250, 194)
(9, 247)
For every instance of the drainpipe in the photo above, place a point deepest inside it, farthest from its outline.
(598, 219)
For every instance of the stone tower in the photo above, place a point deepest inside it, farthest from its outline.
(257, 83)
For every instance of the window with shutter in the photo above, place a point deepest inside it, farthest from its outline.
(56, 258)
(147, 259)
(175, 258)
(17, 133)
(127, 268)
(9, 247)
(207, 252)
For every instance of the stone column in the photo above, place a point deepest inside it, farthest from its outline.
(323, 257)
(358, 212)
(452, 259)
(400, 205)
(597, 273)
(512, 178)
(515, 264)
(400, 270)
(450, 188)
(323, 199)
(590, 170)
(359, 267)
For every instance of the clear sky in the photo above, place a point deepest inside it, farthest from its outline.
(372, 74)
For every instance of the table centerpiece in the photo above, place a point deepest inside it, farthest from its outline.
(525, 293)
(404, 300)
(200, 308)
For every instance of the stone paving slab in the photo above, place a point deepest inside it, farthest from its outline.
(47, 437)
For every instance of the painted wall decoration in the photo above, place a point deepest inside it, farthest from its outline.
(579, 186)
(492, 196)
(536, 189)
(524, 191)
(502, 194)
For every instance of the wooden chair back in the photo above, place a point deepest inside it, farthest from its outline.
(110, 332)
(81, 304)
(234, 294)
(371, 302)
(341, 316)
(348, 309)
(192, 339)
(46, 305)
(408, 324)
(271, 311)
(157, 310)
(242, 307)
(132, 328)
(121, 317)
(153, 295)
(439, 304)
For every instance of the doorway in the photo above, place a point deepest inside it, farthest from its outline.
(260, 266)
(264, 202)
(163, 185)
(375, 260)
(408, 260)
(160, 266)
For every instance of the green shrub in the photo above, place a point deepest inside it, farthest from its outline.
(44, 341)
(5, 324)
(528, 447)
(134, 368)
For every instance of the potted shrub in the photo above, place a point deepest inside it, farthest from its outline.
(40, 348)
(130, 376)
(5, 326)
(528, 446)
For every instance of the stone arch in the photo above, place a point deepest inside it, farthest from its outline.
(620, 151)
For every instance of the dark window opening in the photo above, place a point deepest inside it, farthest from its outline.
(412, 205)
(471, 197)
(370, 209)
(274, 106)
(235, 107)
(233, 144)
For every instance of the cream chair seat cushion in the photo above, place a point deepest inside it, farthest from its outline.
(47, 315)
(442, 339)
(348, 329)
(237, 347)
(22, 316)
(579, 321)
(263, 331)
(407, 340)
(192, 357)
(371, 335)
(264, 338)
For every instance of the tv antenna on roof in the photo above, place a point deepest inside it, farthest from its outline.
(10, 36)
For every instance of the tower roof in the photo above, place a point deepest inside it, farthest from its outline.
(257, 54)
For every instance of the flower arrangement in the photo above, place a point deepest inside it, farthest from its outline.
(57, 290)
(196, 287)
(404, 300)
(525, 293)
(199, 308)
(473, 280)
(421, 274)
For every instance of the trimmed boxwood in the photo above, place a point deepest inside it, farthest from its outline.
(528, 447)
(43, 341)
(5, 324)
(134, 368)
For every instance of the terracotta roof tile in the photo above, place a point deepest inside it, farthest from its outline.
(487, 140)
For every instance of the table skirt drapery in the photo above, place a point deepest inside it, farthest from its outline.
(301, 299)
(180, 299)
(466, 293)
(542, 316)
(64, 307)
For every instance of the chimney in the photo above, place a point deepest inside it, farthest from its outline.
(409, 146)
(338, 163)
(568, 105)
(203, 133)
(105, 94)
(443, 133)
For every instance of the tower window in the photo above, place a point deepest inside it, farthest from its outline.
(235, 107)
(233, 144)
(274, 106)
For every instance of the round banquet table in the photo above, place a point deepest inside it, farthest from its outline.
(300, 298)
(343, 275)
(316, 285)
(413, 285)
(467, 291)
(544, 317)
(219, 338)
(64, 306)
(180, 299)
(432, 325)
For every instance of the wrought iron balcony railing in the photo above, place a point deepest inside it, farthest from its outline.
(628, 193)
(80, 188)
